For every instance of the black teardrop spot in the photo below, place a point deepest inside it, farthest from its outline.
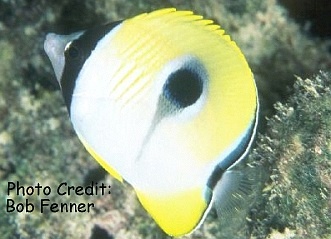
(183, 87)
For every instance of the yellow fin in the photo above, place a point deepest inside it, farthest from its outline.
(161, 12)
(177, 214)
(172, 15)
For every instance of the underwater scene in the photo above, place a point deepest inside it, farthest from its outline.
(165, 119)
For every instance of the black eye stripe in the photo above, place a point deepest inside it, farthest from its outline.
(76, 54)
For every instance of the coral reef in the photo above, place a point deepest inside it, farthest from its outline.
(295, 150)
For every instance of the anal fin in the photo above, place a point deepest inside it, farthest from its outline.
(233, 195)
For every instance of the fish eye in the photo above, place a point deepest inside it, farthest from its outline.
(72, 51)
(183, 87)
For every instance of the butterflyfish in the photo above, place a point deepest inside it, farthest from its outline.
(164, 101)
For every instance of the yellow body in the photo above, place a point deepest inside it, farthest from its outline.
(232, 87)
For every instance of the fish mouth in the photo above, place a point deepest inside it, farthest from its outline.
(54, 47)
